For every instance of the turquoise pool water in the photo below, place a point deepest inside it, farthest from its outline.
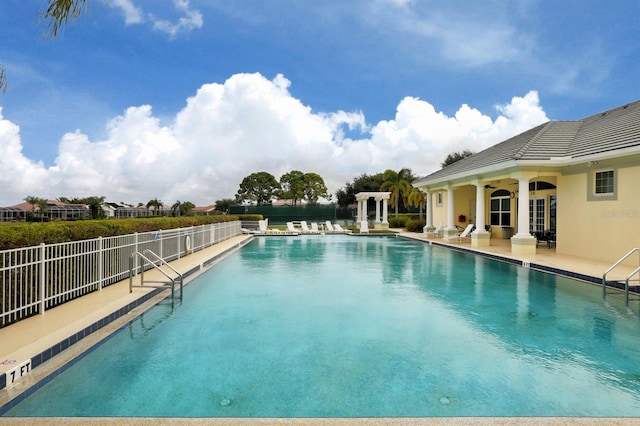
(353, 326)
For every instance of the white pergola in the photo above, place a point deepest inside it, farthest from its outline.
(363, 197)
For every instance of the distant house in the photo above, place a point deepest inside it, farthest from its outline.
(56, 210)
(123, 211)
(578, 181)
(204, 210)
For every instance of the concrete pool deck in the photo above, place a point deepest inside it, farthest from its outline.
(25, 339)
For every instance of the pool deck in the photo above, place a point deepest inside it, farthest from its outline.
(28, 338)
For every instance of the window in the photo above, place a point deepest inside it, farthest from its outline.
(604, 184)
(439, 199)
(501, 208)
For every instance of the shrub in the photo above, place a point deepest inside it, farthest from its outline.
(416, 225)
(16, 235)
(398, 222)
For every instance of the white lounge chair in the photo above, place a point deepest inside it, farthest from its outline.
(437, 232)
(291, 228)
(314, 228)
(339, 229)
(329, 227)
(263, 229)
(305, 228)
(462, 235)
(364, 227)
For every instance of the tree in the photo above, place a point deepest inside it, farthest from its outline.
(361, 183)
(314, 188)
(398, 184)
(417, 198)
(94, 203)
(182, 209)
(224, 204)
(292, 186)
(156, 204)
(259, 188)
(455, 157)
(37, 202)
(56, 15)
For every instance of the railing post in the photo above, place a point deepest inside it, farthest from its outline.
(100, 265)
(43, 281)
(179, 250)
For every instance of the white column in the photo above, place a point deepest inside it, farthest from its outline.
(480, 217)
(385, 211)
(451, 223)
(377, 210)
(365, 214)
(359, 214)
(429, 208)
(523, 208)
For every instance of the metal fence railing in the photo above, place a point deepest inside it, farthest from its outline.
(34, 279)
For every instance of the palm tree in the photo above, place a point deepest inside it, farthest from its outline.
(398, 185)
(156, 204)
(176, 208)
(417, 198)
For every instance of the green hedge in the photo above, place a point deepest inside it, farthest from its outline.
(16, 235)
(398, 222)
(416, 225)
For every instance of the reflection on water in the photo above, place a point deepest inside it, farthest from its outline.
(324, 326)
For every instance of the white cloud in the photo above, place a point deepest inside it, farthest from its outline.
(473, 35)
(248, 124)
(191, 19)
(132, 14)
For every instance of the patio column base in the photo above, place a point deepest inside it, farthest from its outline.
(381, 225)
(523, 245)
(480, 239)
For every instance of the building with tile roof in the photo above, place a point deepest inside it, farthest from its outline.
(578, 181)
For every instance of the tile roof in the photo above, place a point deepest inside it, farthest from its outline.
(612, 130)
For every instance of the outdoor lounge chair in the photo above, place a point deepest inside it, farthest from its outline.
(291, 228)
(340, 230)
(305, 228)
(314, 228)
(435, 232)
(329, 227)
(462, 235)
(263, 229)
(364, 227)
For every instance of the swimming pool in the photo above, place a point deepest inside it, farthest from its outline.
(336, 326)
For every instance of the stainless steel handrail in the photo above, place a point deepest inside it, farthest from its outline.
(172, 280)
(615, 265)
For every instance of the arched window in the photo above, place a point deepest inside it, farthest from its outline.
(540, 185)
(501, 208)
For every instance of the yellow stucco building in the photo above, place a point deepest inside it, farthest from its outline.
(572, 184)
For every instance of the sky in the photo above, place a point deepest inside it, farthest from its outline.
(179, 100)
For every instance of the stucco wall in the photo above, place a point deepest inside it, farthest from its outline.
(603, 230)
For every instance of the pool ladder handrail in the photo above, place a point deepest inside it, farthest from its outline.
(161, 284)
(628, 281)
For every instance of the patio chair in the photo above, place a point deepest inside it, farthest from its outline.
(340, 229)
(263, 229)
(305, 228)
(462, 235)
(329, 227)
(437, 232)
(291, 228)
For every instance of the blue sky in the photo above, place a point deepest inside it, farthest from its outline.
(180, 99)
